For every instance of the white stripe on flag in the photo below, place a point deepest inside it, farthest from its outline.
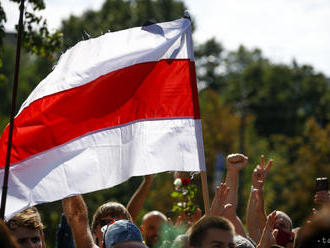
(104, 159)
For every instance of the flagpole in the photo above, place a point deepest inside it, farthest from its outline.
(13, 110)
(205, 193)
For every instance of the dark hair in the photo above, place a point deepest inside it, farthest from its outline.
(200, 228)
(112, 209)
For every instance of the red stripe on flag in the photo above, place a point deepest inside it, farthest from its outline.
(164, 89)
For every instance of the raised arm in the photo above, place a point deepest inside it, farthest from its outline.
(256, 216)
(235, 162)
(75, 211)
(136, 202)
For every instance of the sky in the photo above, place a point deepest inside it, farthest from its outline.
(283, 29)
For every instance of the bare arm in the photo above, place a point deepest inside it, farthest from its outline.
(235, 162)
(75, 211)
(256, 216)
(220, 208)
(136, 202)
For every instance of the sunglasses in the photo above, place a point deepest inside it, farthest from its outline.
(106, 222)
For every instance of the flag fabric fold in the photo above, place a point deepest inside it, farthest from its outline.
(121, 105)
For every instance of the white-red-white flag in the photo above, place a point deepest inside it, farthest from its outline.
(121, 105)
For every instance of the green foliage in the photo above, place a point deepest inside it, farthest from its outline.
(209, 57)
(292, 186)
(32, 70)
(117, 15)
(281, 97)
(36, 37)
(184, 196)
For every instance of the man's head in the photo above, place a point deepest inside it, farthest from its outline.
(27, 228)
(151, 224)
(122, 233)
(212, 231)
(105, 214)
(241, 242)
(284, 224)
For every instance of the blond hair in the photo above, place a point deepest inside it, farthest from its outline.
(29, 218)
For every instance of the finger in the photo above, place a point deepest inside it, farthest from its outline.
(217, 192)
(271, 219)
(226, 193)
(222, 188)
(269, 165)
(262, 161)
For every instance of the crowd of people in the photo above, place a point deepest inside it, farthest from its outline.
(114, 225)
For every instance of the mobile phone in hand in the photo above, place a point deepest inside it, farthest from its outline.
(322, 184)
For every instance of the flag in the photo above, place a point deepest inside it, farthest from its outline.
(121, 105)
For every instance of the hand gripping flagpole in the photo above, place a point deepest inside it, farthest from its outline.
(12, 114)
(205, 190)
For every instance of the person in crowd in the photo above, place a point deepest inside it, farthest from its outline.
(151, 221)
(123, 234)
(241, 242)
(75, 211)
(212, 231)
(256, 215)
(6, 239)
(224, 199)
(116, 234)
(27, 228)
(107, 213)
(151, 226)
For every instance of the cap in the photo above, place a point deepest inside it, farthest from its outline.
(120, 231)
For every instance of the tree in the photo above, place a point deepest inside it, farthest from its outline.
(209, 59)
(282, 97)
(36, 40)
(36, 36)
(292, 182)
(117, 15)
